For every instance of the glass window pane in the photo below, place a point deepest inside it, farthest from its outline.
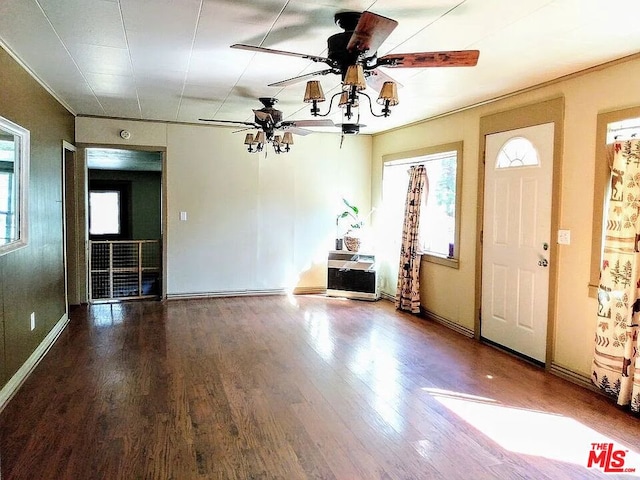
(517, 152)
(104, 213)
(7, 209)
(438, 216)
(8, 217)
(438, 211)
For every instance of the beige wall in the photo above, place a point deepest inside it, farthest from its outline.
(106, 131)
(255, 222)
(448, 292)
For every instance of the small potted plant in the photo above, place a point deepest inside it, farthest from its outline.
(351, 236)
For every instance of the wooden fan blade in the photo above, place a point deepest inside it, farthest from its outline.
(253, 48)
(371, 31)
(321, 122)
(252, 124)
(300, 78)
(376, 79)
(453, 58)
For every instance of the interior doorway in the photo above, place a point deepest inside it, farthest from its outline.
(124, 224)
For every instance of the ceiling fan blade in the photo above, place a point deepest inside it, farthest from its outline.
(371, 31)
(453, 58)
(321, 122)
(376, 78)
(300, 78)
(252, 124)
(243, 130)
(298, 131)
(254, 48)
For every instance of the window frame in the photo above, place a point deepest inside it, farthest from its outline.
(600, 187)
(453, 261)
(22, 136)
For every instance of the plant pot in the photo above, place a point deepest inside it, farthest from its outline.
(352, 243)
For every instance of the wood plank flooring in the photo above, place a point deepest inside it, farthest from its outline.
(295, 388)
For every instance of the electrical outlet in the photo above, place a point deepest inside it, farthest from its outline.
(33, 320)
(564, 237)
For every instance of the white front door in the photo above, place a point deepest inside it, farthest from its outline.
(516, 239)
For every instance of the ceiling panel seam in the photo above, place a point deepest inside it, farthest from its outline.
(55, 32)
(126, 41)
(186, 73)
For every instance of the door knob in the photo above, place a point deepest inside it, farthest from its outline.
(543, 262)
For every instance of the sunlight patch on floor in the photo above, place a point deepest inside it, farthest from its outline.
(527, 431)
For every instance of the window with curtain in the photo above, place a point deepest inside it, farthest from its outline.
(611, 126)
(439, 219)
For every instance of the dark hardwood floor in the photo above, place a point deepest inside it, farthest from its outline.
(294, 388)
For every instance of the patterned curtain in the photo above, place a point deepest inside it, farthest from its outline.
(408, 291)
(616, 366)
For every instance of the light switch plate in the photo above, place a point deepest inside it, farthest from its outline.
(564, 237)
(183, 216)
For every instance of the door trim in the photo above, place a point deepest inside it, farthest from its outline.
(68, 162)
(549, 111)
(82, 147)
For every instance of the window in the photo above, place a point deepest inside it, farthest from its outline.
(104, 218)
(7, 200)
(14, 171)
(517, 152)
(109, 209)
(440, 212)
(611, 126)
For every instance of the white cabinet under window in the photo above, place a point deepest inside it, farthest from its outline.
(352, 275)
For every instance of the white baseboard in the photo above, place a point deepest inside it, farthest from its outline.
(15, 382)
(227, 293)
(247, 293)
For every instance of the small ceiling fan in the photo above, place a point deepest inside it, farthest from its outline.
(358, 45)
(269, 119)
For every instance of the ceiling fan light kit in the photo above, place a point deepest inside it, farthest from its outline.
(268, 120)
(248, 139)
(352, 54)
(354, 78)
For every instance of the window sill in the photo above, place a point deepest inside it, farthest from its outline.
(446, 261)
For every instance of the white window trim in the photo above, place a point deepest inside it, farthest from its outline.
(22, 181)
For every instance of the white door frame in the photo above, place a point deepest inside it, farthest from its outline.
(550, 111)
(163, 208)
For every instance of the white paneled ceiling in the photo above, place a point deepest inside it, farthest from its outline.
(170, 60)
